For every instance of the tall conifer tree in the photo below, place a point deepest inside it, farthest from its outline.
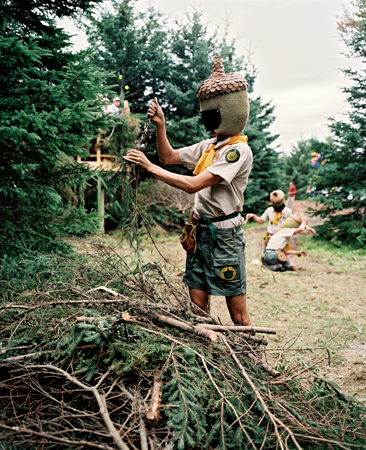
(345, 175)
(171, 64)
(48, 113)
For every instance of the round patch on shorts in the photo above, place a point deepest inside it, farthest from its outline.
(228, 273)
(232, 156)
(281, 256)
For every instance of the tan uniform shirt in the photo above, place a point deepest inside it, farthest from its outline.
(228, 196)
(280, 240)
(268, 216)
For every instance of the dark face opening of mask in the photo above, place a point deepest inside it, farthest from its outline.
(279, 208)
(211, 119)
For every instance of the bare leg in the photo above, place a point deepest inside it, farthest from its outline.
(237, 306)
(200, 298)
(293, 265)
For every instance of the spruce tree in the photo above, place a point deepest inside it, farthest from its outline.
(49, 112)
(176, 61)
(345, 175)
(132, 46)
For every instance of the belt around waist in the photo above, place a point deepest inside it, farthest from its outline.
(210, 220)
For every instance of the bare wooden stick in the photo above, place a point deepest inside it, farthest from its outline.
(50, 437)
(124, 316)
(99, 398)
(65, 302)
(153, 412)
(264, 366)
(237, 328)
(225, 399)
(196, 329)
(143, 437)
(28, 355)
(328, 441)
(105, 289)
(298, 373)
(271, 416)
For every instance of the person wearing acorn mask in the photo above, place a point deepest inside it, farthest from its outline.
(274, 215)
(276, 253)
(221, 165)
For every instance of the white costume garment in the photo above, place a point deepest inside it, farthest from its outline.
(280, 240)
(268, 216)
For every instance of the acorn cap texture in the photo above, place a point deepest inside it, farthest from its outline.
(220, 82)
(277, 197)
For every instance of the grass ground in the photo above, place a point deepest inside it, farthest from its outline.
(319, 307)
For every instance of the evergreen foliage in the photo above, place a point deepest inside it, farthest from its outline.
(223, 414)
(49, 112)
(266, 175)
(171, 64)
(131, 45)
(344, 177)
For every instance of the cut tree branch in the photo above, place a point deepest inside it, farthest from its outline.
(99, 398)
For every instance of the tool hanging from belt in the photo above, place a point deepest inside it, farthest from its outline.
(209, 221)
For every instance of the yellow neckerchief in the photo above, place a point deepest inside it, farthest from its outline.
(277, 216)
(208, 155)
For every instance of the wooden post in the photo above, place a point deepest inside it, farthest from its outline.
(101, 201)
(99, 150)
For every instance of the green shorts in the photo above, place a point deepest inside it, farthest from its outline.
(270, 258)
(218, 269)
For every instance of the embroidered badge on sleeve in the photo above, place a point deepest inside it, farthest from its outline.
(232, 156)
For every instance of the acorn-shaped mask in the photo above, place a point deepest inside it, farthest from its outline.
(224, 101)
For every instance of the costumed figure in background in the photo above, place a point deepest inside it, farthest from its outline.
(276, 257)
(216, 260)
(274, 215)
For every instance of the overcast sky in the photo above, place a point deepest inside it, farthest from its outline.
(296, 50)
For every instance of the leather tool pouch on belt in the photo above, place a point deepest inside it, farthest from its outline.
(188, 238)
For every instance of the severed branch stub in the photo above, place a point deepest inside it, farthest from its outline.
(267, 368)
(125, 316)
(153, 413)
(196, 329)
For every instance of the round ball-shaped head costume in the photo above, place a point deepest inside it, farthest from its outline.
(224, 101)
(277, 198)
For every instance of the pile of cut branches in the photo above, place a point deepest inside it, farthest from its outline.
(101, 353)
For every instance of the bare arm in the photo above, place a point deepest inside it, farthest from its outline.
(254, 217)
(311, 230)
(295, 252)
(183, 182)
(301, 227)
(167, 155)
